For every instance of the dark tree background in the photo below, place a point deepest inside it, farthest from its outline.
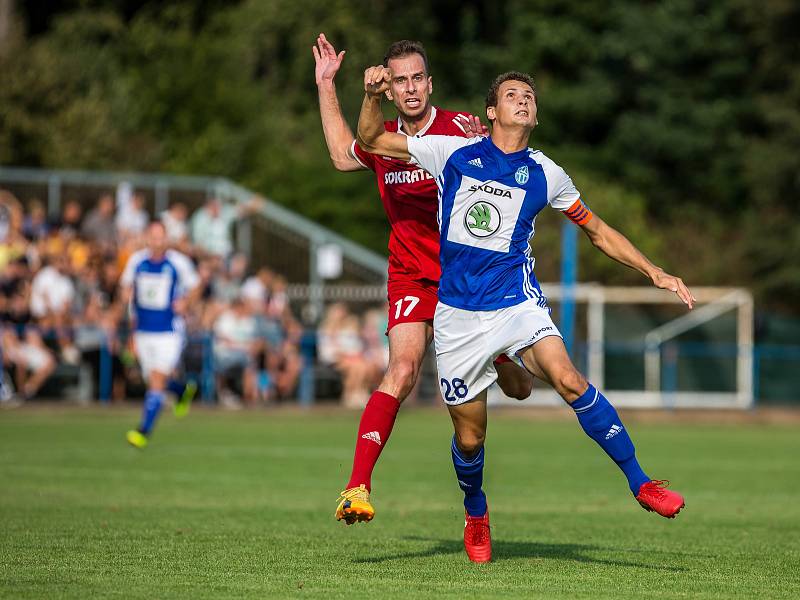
(677, 119)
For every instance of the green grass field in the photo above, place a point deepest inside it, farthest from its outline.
(240, 505)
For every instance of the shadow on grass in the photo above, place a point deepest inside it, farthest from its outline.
(509, 550)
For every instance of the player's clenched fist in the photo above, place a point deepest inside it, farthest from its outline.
(376, 80)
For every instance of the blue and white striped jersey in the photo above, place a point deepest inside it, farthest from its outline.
(156, 286)
(488, 202)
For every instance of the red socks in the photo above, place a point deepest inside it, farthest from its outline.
(376, 425)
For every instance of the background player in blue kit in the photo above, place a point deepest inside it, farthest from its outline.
(490, 191)
(159, 283)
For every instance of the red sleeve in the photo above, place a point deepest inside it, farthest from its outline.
(366, 159)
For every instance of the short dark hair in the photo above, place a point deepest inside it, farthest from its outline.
(491, 95)
(404, 48)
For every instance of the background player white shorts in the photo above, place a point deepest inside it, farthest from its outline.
(158, 351)
(468, 341)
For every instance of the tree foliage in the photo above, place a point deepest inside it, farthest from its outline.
(678, 119)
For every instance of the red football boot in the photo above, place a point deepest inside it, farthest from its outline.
(654, 496)
(477, 538)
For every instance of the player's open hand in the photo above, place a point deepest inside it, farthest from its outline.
(327, 62)
(376, 80)
(472, 126)
(665, 281)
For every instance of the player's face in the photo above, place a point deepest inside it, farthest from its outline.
(516, 105)
(411, 86)
(156, 239)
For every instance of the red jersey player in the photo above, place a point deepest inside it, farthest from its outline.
(410, 200)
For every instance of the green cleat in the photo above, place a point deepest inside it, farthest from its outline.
(184, 403)
(136, 439)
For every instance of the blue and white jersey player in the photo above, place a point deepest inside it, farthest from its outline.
(490, 191)
(490, 302)
(157, 281)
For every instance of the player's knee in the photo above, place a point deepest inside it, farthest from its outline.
(401, 377)
(570, 384)
(470, 441)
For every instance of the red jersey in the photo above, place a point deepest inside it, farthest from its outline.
(411, 202)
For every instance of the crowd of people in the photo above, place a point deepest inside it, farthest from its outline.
(60, 303)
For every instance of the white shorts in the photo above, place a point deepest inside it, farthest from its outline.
(468, 341)
(30, 356)
(158, 351)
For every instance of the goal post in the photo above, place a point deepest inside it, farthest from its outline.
(662, 347)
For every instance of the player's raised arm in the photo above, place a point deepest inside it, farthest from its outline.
(372, 135)
(338, 136)
(617, 246)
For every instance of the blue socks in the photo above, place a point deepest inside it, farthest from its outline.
(152, 406)
(470, 478)
(176, 387)
(601, 422)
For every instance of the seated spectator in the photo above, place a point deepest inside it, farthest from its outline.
(236, 346)
(12, 243)
(340, 345)
(35, 226)
(278, 300)
(23, 347)
(256, 289)
(52, 294)
(70, 220)
(98, 226)
(10, 215)
(282, 362)
(227, 284)
(376, 342)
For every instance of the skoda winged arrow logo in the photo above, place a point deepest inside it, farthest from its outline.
(482, 219)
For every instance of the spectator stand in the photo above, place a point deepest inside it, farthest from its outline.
(314, 263)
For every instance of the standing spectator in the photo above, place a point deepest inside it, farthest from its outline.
(98, 226)
(132, 218)
(175, 222)
(211, 225)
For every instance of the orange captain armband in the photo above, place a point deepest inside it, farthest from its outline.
(579, 213)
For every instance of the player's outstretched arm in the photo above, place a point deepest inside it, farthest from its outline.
(372, 135)
(617, 246)
(338, 136)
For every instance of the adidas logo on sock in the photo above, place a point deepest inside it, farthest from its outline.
(615, 429)
(475, 162)
(373, 436)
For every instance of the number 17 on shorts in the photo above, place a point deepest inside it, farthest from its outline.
(411, 302)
